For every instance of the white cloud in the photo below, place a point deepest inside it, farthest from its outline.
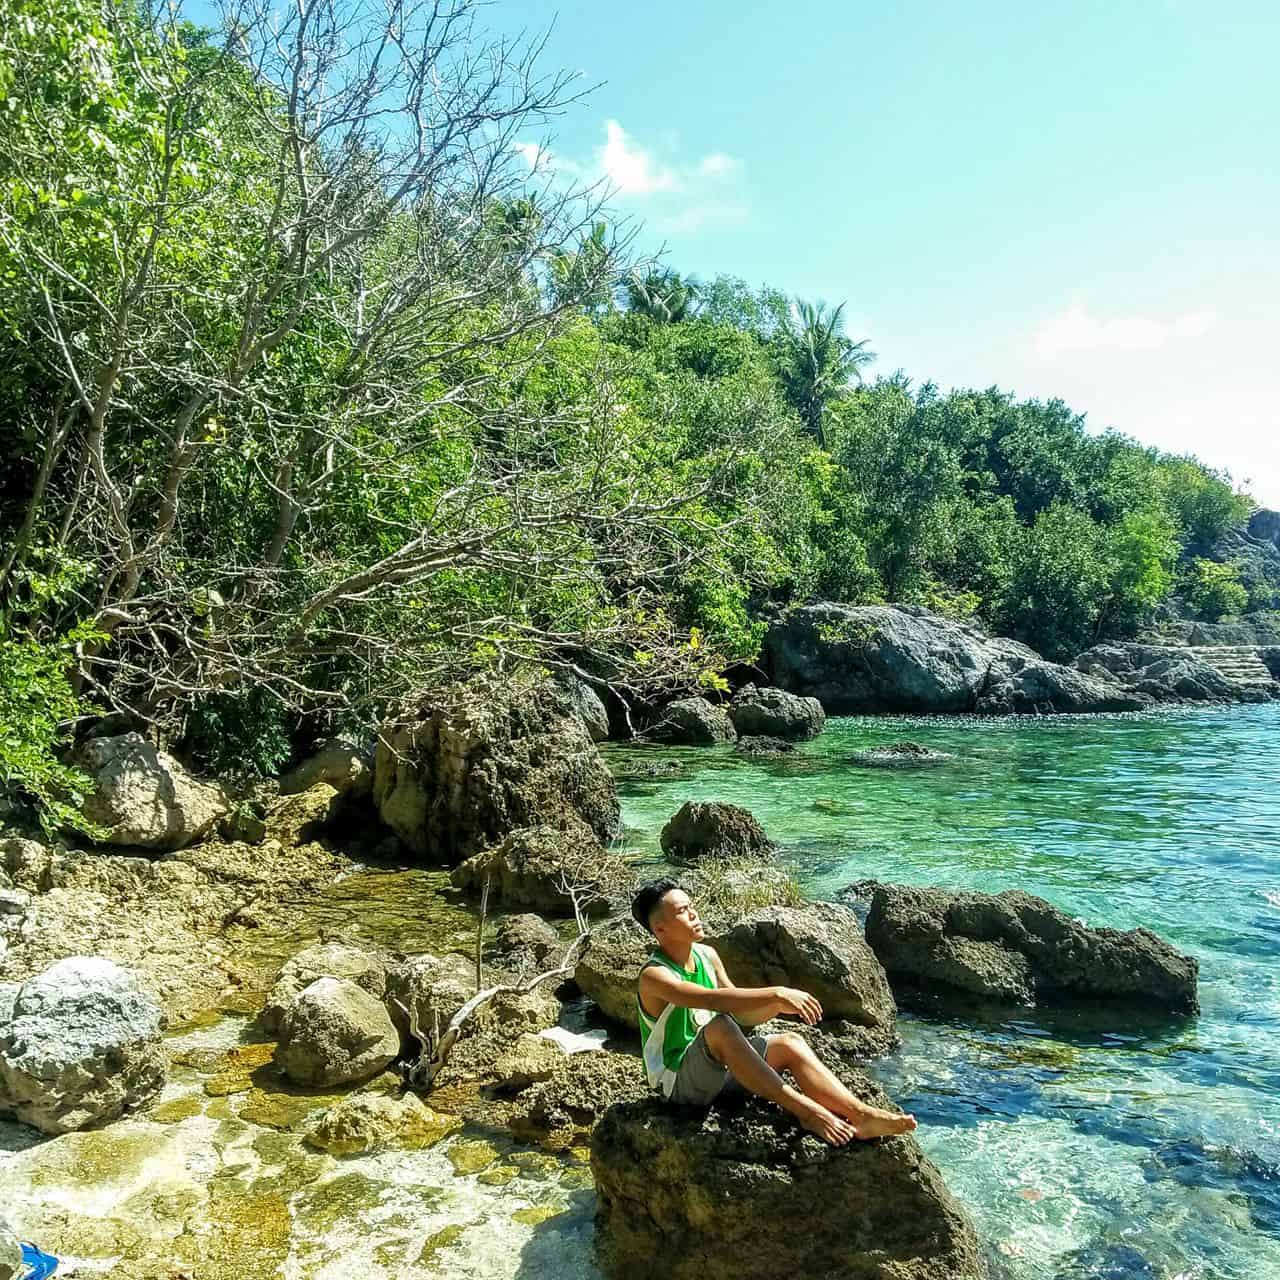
(535, 156)
(630, 169)
(1078, 329)
(717, 164)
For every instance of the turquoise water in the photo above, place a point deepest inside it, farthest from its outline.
(1097, 1146)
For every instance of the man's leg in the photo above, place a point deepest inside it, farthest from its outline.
(731, 1049)
(789, 1052)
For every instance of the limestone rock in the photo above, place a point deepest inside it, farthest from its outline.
(775, 713)
(11, 1265)
(870, 658)
(609, 968)
(700, 829)
(764, 746)
(426, 991)
(747, 1195)
(525, 944)
(299, 818)
(335, 1033)
(82, 1046)
(570, 1103)
(693, 722)
(1015, 948)
(144, 797)
(324, 960)
(346, 768)
(530, 1060)
(590, 706)
(475, 762)
(493, 1030)
(375, 1122)
(531, 867)
(1163, 673)
(820, 949)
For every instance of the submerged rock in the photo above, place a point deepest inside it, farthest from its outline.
(693, 722)
(775, 713)
(475, 762)
(82, 1047)
(820, 949)
(144, 797)
(372, 1122)
(710, 828)
(534, 866)
(900, 755)
(609, 968)
(747, 1195)
(335, 1033)
(1015, 948)
(870, 658)
(760, 745)
(324, 960)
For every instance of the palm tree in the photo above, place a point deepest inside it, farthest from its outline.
(818, 362)
(662, 296)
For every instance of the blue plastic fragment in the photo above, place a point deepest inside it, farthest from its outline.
(39, 1264)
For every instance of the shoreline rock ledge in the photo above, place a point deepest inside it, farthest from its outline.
(747, 1195)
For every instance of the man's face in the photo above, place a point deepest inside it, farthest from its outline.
(676, 920)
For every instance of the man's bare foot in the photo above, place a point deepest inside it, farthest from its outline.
(874, 1123)
(823, 1124)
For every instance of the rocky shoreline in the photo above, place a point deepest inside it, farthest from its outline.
(320, 1020)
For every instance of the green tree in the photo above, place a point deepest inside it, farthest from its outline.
(1214, 590)
(662, 296)
(817, 362)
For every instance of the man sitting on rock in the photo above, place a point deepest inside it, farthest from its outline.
(693, 1044)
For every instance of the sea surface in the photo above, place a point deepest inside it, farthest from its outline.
(1098, 1144)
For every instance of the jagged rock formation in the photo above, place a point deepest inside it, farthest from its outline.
(747, 1195)
(475, 762)
(145, 798)
(1018, 949)
(711, 829)
(609, 968)
(81, 1047)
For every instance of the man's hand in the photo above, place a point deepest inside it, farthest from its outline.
(799, 1003)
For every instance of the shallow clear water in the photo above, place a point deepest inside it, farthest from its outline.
(1086, 1147)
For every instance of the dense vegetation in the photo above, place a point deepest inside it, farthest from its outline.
(313, 393)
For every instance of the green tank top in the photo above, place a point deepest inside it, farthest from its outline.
(679, 1026)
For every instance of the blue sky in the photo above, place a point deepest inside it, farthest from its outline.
(1078, 199)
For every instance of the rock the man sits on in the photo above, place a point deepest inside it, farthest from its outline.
(694, 1047)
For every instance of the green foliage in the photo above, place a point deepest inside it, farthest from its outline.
(37, 706)
(1214, 590)
(1202, 501)
(243, 734)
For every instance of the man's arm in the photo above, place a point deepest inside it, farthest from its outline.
(750, 1004)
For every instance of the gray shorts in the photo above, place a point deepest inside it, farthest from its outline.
(701, 1079)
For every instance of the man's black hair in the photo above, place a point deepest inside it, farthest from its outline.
(645, 903)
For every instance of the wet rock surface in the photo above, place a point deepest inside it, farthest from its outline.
(709, 828)
(900, 755)
(820, 949)
(775, 713)
(81, 1047)
(145, 798)
(1014, 948)
(335, 1033)
(744, 1193)
(758, 745)
(372, 1122)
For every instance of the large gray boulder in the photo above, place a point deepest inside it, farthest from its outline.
(347, 768)
(1015, 948)
(745, 1194)
(1165, 673)
(693, 722)
(82, 1047)
(474, 762)
(857, 659)
(323, 960)
(711, 829)
(144, 797)
(335, 1033)
(820, 949)
(590, 706)
(775, 713)
(609, 968)
(535, 867)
